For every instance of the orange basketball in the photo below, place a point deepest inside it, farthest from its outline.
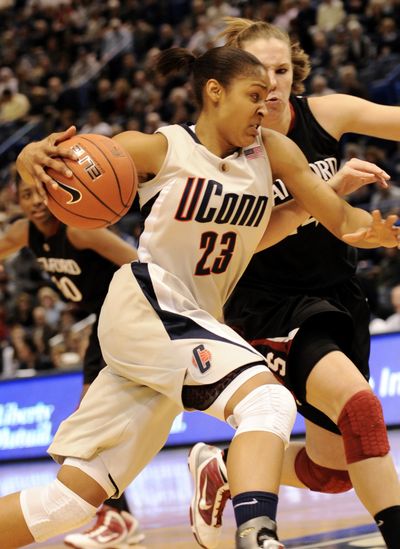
(103, 185)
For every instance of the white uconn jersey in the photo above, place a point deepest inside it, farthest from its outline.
(206, 219)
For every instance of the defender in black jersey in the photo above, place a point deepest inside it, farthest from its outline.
(306, 280)
(301, 305)
(81, 264)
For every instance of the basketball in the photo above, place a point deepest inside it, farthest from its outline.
(103, 186)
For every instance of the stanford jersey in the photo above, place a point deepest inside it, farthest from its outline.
(309, 274)
(81, 276)
(311, 257)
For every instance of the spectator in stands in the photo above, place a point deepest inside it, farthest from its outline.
(202, 38)
(22, 311)
(8, 81)
(330, 14)
(388, 40)
(288, 10)
(393, 321)
(386, 200)
(84, 68)
(304, 23)
(102, 97)
(95, 124)
(27, 355)
(217, 9)
(58, 96)
(41, 331)
(349, 83)
(360, 49)
(14, 106)
(387, 276)
(319, 86)
(321, 56)
(117, 40)
(52, 305)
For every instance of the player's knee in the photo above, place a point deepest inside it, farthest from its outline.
(363, 428)
(53, 509)
(268, 408)
(319, 478)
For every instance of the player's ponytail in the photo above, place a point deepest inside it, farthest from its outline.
(175, 60)
(223, 64)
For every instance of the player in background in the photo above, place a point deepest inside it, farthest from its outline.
(304, 290)
(81, 264)
(161, 331)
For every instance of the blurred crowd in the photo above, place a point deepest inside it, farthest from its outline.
(90, 64)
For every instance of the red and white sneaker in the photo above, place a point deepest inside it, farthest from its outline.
(113, 530)
(211, 491)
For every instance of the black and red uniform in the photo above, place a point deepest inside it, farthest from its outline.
(304, 288)
(81, 276)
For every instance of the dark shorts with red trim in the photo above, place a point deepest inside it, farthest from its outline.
(293, 332)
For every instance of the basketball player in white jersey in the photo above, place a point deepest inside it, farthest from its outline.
(161, 331)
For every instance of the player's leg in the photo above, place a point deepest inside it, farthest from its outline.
(39, 513)
(336, 387)
(263, 413)
(318, 464)
(84, 482)
(114, 521)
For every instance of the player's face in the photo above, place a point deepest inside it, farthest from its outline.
(275, 55)
(32, 204)
(242, 109)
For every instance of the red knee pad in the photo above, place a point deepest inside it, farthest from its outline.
(363, 428)
(318, 478)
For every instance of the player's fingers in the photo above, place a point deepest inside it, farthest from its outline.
(362, 175)
(58, 166)
(370, 167)
(42, 178)
(391, 220)
(357, 236)
(66, 152)
(371, 176)
(376, 216)
(58, 137)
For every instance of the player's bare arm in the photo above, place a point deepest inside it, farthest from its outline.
(286, 217)
(289, 164)
(104, 242)
(14, 238)
(356, 116)
(139, 144)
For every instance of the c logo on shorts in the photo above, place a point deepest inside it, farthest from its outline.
(201, 358)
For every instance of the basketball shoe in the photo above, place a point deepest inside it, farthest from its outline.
(211, 492)
(258, 532)
(113, 530)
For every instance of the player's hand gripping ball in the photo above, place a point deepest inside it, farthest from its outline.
(103, 185)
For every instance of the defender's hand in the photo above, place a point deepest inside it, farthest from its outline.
(382, 232)
(355, 174)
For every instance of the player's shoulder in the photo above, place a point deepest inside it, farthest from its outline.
(17, 232)
(274, 140)
(20, 225)
(87, 238)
